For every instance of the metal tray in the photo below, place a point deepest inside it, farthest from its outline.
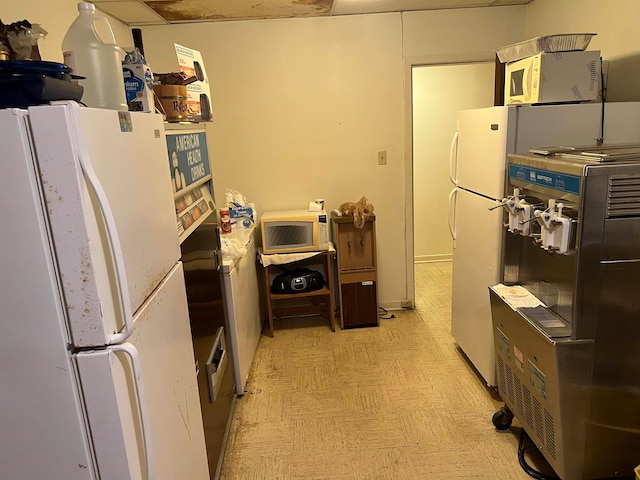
(564, 42)
(598, 153)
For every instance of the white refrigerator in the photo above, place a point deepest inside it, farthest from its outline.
(97, 372)
(477, 170)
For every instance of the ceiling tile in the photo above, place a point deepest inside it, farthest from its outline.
(203, 10)
(146, 12)
(130, 12)
(348, 7)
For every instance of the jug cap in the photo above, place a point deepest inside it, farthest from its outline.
(86, 6)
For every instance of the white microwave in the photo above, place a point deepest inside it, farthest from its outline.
(293, 231)
(553, 78)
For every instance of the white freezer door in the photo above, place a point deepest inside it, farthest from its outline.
(124, 153)
(42, 430)
(476, 266)
(170, 406)
(484, 137)
(243, 313)
(622, 122)
(549, 125)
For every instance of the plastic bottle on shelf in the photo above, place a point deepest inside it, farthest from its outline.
(95, 58)
(225, 220)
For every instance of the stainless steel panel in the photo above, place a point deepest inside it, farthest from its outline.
(206, 312)
(578, 396)
(550, 400)
(613, 437)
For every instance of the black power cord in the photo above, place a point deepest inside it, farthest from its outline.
(600, 140)
(525, 466)
(383, 314)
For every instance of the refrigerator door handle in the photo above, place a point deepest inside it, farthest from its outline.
(132, 352)
(452, 212)
(217, 253)
(453, 158)
(114, 241)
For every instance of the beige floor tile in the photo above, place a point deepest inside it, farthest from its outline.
(400, 401)
(376, 431)
(322, 466)
(253, 466)
(273, 437)
(260, 406)
(368, 400)
(314, 404)
(315, 436)
(381, 464)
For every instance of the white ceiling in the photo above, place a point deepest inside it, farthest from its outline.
(155, 12)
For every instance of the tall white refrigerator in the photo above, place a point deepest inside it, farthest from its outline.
(97, 372)
(477, 169)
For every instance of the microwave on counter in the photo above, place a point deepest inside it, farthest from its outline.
(293, 231)
(553, 78)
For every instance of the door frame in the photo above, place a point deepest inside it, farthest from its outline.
(409, 63)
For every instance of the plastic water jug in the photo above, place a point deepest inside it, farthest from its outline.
(96, 57)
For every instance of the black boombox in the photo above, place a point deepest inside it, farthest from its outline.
(297, 281)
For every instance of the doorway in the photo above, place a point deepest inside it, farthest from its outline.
(438, 92)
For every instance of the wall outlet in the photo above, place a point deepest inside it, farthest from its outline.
(382, 157)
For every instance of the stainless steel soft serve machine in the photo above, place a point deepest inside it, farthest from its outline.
(567, 317)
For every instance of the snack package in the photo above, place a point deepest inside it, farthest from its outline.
(138, 82)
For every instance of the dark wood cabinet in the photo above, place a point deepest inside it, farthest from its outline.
(359, 305)
(357, 272)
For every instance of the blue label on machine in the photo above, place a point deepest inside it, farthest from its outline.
(188, 158)
(557, 181)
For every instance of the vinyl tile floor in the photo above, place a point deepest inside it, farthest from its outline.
(399, 401)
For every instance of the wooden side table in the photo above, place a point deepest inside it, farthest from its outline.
(318, 302)
(357, 271)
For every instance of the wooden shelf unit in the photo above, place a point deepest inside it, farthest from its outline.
(318, 302)
(357, 271)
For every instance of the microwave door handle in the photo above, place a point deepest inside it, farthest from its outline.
(527, 83)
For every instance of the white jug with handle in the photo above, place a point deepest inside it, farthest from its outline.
(96, 57)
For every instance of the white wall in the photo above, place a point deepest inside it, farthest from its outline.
(447, 34)
(618, 35)
(55, 17)
(310, 101)
(439, 91)
(301, 108)
(436, 38)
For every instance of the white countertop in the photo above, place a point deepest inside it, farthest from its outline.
(284, 258)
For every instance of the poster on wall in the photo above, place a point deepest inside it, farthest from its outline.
(198, 93)
(188, 158)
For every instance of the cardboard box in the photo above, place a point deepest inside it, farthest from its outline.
(242, 217)
(190, 63)
(138, 87)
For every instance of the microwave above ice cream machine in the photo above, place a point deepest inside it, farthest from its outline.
(293, 231)
(553, 78)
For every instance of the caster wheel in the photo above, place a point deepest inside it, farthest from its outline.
(502, 419)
